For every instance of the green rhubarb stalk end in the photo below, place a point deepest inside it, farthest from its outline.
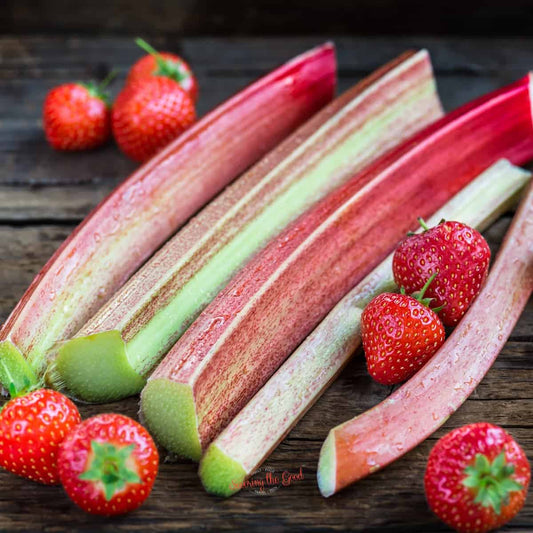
(16, 374)
(327, 467)
(169, 412)
(95, 368)
(220, 474)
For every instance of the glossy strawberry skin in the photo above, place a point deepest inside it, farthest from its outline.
(75, 456)
(149, 114)
(399, 336)
(454, 503)
(74, 119)
(31, 429)
(459, 254)
(147, 67)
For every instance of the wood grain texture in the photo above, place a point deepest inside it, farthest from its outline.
(43, 194)
(240, 17)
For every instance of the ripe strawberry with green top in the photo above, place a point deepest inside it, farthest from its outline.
(163, 64)
(108, 464)
(32, 427)
(476, 478)
(150, 113)
(400, 334)
(76, 116)
(456, 253)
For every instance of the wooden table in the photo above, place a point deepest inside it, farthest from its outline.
(44, 194)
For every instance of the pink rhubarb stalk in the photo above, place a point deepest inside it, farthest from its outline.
(126, 228)
(414, 411)
(269, 416)
(280, 296)
(115, 351)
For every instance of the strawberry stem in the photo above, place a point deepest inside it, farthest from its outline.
(165, 67)
(109, 466)
(146, 47)
(422, 222)
(107, 80)
(491, 482)
(98, 90)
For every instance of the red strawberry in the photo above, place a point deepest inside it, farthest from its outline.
(108, 464)
(31, 430)
(477, 478)
(150, 113)
(163, 64)
(399, 335)
(457, 253)
(76, 116)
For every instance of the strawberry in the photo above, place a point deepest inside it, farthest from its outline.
(163, 64)
(108, 464)
(31, 429)
(400, 334)
(458, 254)
(476, 478)
(150, 113)
(76, 116)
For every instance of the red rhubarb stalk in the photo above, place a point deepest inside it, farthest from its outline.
(126, 228)
(268, 417)
(414, 411)
(115, 351)
(279, 297)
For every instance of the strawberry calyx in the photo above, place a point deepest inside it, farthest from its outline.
(109, 466)
(98, 90)
(419, 295)
(165, 67)
(491, 482)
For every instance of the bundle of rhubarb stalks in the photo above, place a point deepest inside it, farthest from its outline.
(231, 326)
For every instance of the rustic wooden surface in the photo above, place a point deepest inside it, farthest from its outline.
(43, 194)
(267, 17)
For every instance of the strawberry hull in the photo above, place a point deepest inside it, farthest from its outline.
(266, 419)
(126, 228)
(286, 290)
(414, 411)
(117, 348)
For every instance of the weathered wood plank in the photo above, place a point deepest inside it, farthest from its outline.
(51, 56)
(298, 17)
(67, 204)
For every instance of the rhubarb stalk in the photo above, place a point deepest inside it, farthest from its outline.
(258, 428)
(414, 411)
(126, 228)
(115, 350)
(280, 296)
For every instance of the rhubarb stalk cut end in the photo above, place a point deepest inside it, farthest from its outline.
(326, 467)
(170, 414)
(220, 474)
(15, 372)
(99, 358)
